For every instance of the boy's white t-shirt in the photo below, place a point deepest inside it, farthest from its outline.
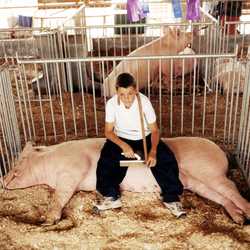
(127, 120)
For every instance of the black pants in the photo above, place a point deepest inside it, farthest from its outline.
(110, 174)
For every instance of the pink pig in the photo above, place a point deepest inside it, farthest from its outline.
(71, 166)
(173, 42)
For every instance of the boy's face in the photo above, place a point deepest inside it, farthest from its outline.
(126, 95)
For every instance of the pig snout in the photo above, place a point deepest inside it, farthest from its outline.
(13, 180)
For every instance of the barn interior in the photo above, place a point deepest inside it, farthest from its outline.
(57, 58)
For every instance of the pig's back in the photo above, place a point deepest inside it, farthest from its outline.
(198, 157)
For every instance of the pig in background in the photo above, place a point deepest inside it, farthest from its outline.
(231, 75)
(49, 81)
(173, 42)
(71, 166)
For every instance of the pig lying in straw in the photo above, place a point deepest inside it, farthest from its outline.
(173, 42)
(71, 166)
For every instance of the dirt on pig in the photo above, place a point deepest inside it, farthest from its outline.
(142, 223)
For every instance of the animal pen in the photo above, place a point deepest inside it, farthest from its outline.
(52, 84)
(52, 89)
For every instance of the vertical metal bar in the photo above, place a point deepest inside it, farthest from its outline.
(129, 40)
(29, 103)
(40, 103)
(104, 90)
(231, 102)
(160, 94)
(237, 104)
(94, 100)
(216, 98)
(71, 96)
(246, 142)
(194, 92)
(50, 101)
(68, 44)
(13, 112)
(41, 46)
(148, 67)
(24, 101)
(5, 165)
(244, 112)
(61, 100)
(12, 122)
(83, 101)
(182, 94)
(226, 111)
(205, 98)
(171, 97)
(20, 107)
(3, 162)
(2, 127)
(6, 123)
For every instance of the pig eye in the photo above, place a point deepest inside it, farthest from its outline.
(37, 149)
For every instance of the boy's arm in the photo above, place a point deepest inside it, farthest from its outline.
(109, 134)
(155, 137)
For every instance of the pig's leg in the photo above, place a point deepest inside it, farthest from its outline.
(64, 190)
(228, 189)
(201, 189)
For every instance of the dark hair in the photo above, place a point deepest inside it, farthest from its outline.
(125, 80)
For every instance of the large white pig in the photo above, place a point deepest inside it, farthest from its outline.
(171, 43)
(71, 166)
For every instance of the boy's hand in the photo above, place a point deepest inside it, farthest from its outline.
(151, 162)
(128, 151)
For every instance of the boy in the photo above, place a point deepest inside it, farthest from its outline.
(123, 133)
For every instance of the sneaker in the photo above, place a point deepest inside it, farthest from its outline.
(175, 208)
(108, 203)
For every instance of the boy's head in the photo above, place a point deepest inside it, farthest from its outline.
(126, 89)
(125, 80)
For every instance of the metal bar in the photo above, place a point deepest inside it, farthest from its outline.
(128, 58)
(20, 107)
(83, 101)
(205, 99)
(50, 102)
(160, 94)
(171, 96)
(61, 100)
(194, 91)
(182, 95)
(72, 97)
(94, 101)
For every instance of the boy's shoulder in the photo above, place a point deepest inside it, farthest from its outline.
(112, 100)
(144, 98)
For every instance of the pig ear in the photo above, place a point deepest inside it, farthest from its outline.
(27, 149)
(176, 32)
(166, 30)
